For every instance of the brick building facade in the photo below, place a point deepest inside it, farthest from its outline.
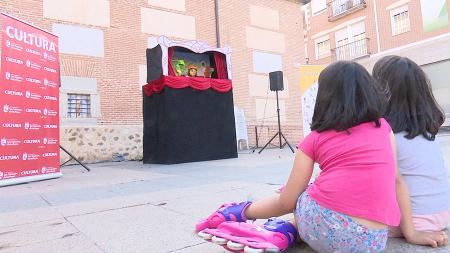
(102, 55)
(366, 30)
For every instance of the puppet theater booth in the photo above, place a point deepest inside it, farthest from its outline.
(188, 103)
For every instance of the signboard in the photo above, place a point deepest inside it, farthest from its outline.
(241, 129)
(29, 103)
(309, 76)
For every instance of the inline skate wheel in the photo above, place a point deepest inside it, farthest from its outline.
(248, 249)
(219, 240)
(235, 246)
(275, 250)
(205, 236)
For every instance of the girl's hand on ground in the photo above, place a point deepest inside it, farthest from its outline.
(433, 239)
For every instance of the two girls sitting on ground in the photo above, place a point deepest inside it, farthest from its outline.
(370, 149)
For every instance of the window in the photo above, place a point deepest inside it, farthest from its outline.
(322, 47)
(351, 42)
(79, 101)
(341, 6)
(79, 106)
(400, 20)
(318, 6)
(342, 39)
(360, 36)
(360, 46)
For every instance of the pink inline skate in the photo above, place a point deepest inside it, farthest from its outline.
(226, 212)
(275, 236)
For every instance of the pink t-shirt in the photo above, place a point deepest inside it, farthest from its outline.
(358, 172)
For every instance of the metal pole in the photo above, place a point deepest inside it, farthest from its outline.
(376, 25)
(216, 12)
(74, 158)
(279, 124)
(256, 133)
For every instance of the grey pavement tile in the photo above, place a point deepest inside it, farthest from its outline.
(33, 215)
(137, 229)
(300, 248)
(107, 191)
(208, 247)
(200, 206)
(154, 198)
(22, 235)
(394, 246)
(13, 203)
(203, 247)
(215, 175)
(275, 174)
(75, 178)
(69, 244)
(272, 159)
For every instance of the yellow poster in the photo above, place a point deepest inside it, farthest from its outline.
(309, 76)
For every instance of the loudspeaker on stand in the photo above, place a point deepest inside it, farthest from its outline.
(276, 81)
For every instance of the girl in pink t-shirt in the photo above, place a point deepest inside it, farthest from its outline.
(359, 192)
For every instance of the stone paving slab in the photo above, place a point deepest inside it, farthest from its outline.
(137, 229)
(77, 178)
(17, 236)
(70, 244)
(28, 216)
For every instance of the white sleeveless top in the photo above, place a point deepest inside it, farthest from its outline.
(422, 166)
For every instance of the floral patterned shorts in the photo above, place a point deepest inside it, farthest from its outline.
(327, 231)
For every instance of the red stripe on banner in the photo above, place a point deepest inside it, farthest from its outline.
(179, 82)
(29, 101)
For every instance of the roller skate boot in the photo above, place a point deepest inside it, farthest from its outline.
(274, 236)
(226, 212)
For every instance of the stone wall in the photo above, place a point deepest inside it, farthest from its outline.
(101, 143)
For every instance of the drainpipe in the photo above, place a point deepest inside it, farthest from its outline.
(216, 12)
(376, 25)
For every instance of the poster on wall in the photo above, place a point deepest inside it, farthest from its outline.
(241, 129)
(434, 14)
(29, 103)
(309, 76)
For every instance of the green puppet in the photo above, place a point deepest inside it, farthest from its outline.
(180, 67)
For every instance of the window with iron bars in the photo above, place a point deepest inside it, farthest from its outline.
(346, 50)
(400, 21)
(339, 7)
(323, 49)
(79, 106)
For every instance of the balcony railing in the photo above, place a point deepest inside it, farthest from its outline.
(340, 8)
(352, 50)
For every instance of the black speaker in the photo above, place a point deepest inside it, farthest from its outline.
(276, 80)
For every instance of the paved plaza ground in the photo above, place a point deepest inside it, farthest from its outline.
(132, 207)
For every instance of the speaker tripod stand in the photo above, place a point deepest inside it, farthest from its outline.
(279, 133)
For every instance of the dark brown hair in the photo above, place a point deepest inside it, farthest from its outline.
(411, 106)
(347, 96)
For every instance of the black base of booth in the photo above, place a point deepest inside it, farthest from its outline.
(188, 125)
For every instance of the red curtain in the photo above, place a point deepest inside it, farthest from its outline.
(169, 59)
(179, 82)
(221, 65)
